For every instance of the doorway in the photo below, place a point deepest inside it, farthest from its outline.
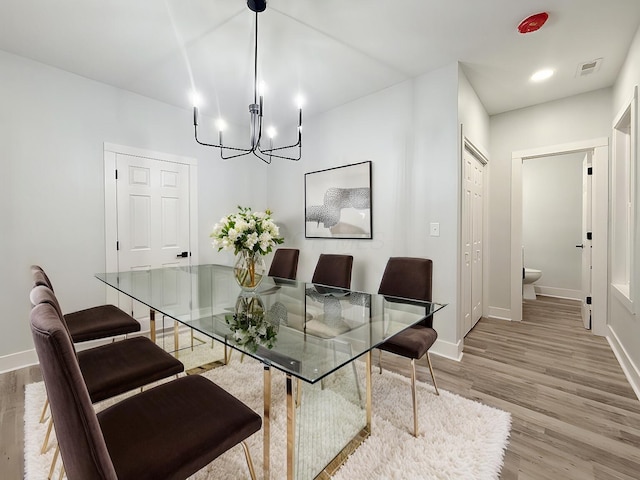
(598, 150)
(150, 214)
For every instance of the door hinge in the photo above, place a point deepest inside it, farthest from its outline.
(589, 235)
(588, 300)
(117, 245)
(116, 173)
(589, 170)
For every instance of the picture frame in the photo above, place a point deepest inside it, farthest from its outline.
(337, 202)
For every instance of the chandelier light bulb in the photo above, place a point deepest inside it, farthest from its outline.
(196, 99)
(272, 132)
(299, 101)
(221, 124)
(262, 88)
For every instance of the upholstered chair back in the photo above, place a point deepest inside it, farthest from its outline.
(40, 277)
(43, 294)
(285, 263)
(78, 433)
(333, 270)
(408, 277)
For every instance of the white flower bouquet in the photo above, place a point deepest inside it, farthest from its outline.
(247, 231)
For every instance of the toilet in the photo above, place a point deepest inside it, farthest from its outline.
(531, 275)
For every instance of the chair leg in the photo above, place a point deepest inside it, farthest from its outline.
(432, 375)
(53, 462)
(249, 462)
(46, 437)
(413, 396)
(44, 409)
(61, 473)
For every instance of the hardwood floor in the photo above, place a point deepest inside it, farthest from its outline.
(11, 420)
(574, 415)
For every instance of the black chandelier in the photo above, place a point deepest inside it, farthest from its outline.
(255, 111)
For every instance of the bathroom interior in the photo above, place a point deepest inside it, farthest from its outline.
(552, 226)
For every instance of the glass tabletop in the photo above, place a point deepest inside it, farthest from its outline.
(303, 329)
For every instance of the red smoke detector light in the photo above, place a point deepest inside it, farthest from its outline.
(533, 23)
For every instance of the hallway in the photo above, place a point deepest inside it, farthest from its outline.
(574, 415)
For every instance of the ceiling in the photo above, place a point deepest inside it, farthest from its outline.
(331, 51)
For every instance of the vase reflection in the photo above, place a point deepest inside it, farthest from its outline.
(251, 324)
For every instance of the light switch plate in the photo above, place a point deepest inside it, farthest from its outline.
(434, 229)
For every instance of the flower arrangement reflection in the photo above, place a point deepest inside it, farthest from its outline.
(251, 325)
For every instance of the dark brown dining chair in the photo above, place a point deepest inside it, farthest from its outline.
(333, 270)
(410, 278)
(169, 432)
(114, 368)
(285, 263)
(102, 321)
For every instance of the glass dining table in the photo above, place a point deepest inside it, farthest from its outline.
(320, 337)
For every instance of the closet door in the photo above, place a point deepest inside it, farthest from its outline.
(472, 234)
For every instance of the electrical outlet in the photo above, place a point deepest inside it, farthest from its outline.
(434, 229)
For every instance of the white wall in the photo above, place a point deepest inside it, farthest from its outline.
(577, 118)
(625, 327)
(52, 128)
(409, 132)
(552, 221)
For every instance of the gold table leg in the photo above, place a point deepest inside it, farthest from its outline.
(176, 345)
(291, 426)
(152, 325)
(266, 433)
(368, 400)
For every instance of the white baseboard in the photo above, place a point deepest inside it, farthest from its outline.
(631, 371)
(499, 313)
(447, 349)
(18, 360)
(558, 292)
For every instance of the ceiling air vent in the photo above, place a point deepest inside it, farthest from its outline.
(589, 67)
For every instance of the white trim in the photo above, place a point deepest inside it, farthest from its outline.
(559, 292)
(140, 152)
(27, 358)
(631, 371)
(561, 149)
(622, 295)
(446, 349)
(15, 361)
(499, 313)
(600, 200)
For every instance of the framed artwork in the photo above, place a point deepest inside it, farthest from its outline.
(337, 202)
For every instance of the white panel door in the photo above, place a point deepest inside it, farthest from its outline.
(467, 240)
(153, 222)
(472, 246)
(476, 237)
(153, 213)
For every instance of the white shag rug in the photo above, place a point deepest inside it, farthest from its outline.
(459, 438)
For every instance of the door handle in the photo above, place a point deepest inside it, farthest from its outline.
(182, 255)
(580, 246)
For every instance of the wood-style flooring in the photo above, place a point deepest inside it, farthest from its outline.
(574, 415)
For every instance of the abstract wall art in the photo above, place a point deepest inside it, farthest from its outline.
(338, 202)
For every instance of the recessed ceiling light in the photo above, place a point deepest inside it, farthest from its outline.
(541, 75)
